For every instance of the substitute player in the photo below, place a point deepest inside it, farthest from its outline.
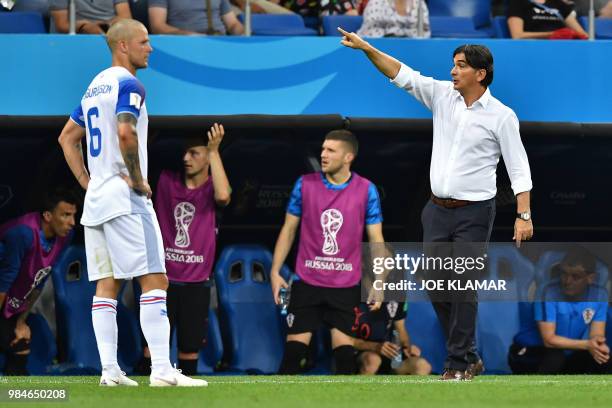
(185, 203)
(334, 206)
(376, 345)
(29, 246)
(122, 236)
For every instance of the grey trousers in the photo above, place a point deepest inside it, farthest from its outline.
(457, 315)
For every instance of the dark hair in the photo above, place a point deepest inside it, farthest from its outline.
(193, 141)
(344, 136)
(478, 57)
(579, 256)
(53, 198)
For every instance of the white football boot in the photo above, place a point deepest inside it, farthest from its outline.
(174, 378)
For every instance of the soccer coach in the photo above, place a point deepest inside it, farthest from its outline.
(471, 130)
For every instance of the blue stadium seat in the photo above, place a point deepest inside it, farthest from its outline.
(21, 23)
(455, 27)
(603, 27)
(43, 348)
(252, 322)
(278, 24)
(73, 296)
(507, 263)
(212, 353)
(499, 318)
(311, 22)
(500, 23)
(478, 10)
(549, 258)
(425, 331)
(348, 23)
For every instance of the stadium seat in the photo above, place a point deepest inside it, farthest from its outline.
(212, 353)
(499, 315)
(500, 23)
(425, 331)
(455, 27)
(507, 263)
(43, 348)
(278, 24)
(478, 10)
(252, 322)
(603, 27)
(312, 22)
(21, 23)
(73, 296)
(349, 23)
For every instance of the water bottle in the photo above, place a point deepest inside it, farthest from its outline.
(397, 360)
(284, 294)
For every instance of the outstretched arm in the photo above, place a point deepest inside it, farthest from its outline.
(386, 64)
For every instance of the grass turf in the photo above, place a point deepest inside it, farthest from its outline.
(326, 391)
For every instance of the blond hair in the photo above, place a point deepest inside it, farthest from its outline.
(122, 30)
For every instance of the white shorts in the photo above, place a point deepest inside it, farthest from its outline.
(124, 247)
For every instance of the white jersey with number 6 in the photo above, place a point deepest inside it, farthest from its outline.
(113, 91)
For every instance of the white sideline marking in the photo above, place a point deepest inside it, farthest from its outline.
(305, 380)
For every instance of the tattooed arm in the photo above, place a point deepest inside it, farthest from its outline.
(128, 143)
(70, 140)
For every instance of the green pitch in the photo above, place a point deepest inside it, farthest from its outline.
(332, 392)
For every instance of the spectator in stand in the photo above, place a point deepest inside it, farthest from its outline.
(192, 17)
(553, 19)
(91, 17)
(603, 8)
(393, 18)
(40, 6)
(317, 8)
(260, 7)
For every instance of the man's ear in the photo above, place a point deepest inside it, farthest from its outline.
(46, 216)
(349, 157)
(482, 74)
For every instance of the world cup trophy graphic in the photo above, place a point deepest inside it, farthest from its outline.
(183, 216)
(331, 222)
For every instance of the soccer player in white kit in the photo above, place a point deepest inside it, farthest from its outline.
(122, 235)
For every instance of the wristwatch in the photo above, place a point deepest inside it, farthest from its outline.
(525, 216)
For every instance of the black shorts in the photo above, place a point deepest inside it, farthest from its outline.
(7, 332)
(188, 305)
(310, 306)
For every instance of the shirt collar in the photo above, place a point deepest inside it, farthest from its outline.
(483, 100)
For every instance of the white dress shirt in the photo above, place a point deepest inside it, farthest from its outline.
(467, 142)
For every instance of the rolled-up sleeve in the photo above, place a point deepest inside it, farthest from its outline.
(514, 154)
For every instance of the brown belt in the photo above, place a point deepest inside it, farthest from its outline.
(450, 202)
